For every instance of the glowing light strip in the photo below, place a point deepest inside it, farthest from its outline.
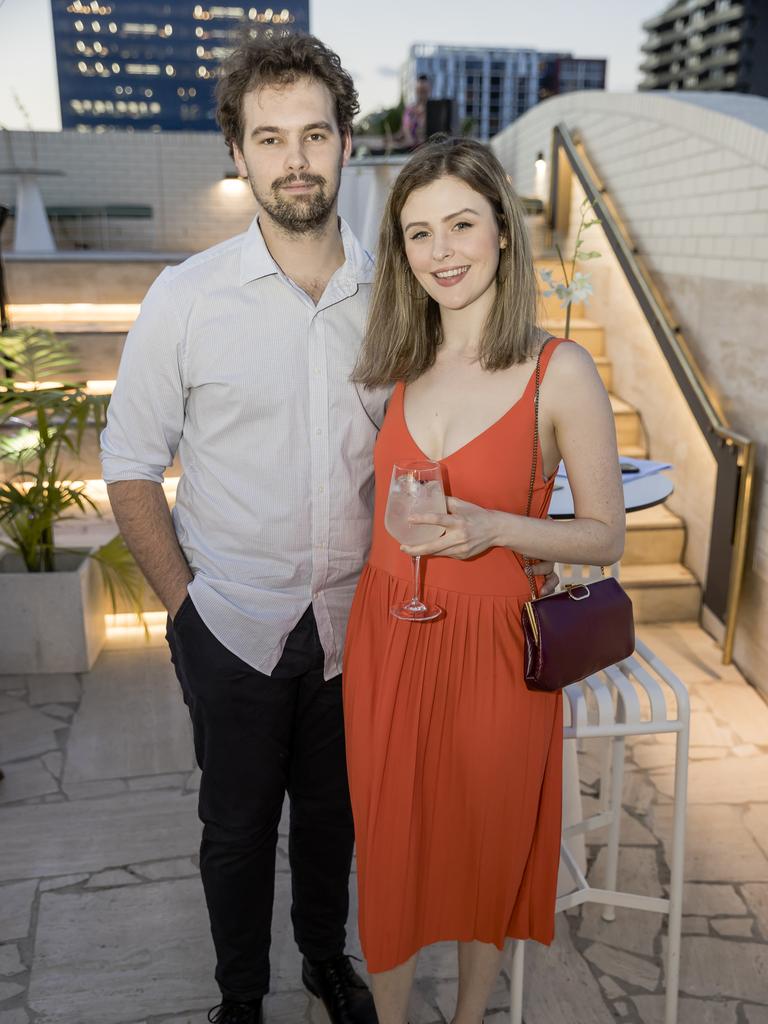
(73, 312)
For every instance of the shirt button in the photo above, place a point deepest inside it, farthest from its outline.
(318, 431)
(321, 490)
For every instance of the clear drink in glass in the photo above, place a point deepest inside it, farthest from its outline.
(416, 488)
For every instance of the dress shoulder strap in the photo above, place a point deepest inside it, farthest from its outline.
(547, 351)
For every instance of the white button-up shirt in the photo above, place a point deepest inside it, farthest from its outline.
(232, 364)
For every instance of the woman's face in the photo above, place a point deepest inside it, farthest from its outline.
(452, 241)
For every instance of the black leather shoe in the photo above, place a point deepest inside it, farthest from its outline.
(344, 993)
(237, 1013)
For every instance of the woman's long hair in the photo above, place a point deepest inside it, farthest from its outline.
(403, 331)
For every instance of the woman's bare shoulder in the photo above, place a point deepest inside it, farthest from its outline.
(571, 363)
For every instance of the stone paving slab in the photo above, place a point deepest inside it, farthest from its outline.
(62, 688)
(618, 963)
(16, 909)
(712, 899)
(140, 950)
(559, 987)
(13, 682)
(638, 870)
(743, 708)
(26, 733)
(26, 779)
(723, 968)
(10, 961)
(722, 782)
(756, 821)
(756, 897)
(16, 1016)
(632, 930)
(92, 835)
(690, 1011)
(8, 703)
(137, 686)
(718, 847)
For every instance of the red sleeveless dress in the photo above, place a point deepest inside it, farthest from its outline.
(454, 765)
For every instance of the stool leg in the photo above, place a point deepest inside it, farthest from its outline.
(672, 979)
(614, 830)
(516, 983)
(605, 775)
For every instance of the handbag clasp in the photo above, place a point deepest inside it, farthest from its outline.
(570, 587)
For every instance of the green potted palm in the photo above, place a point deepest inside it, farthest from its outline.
(52, 598)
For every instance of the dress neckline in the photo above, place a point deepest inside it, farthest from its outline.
(483, 432)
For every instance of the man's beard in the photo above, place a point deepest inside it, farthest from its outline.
(299, 215)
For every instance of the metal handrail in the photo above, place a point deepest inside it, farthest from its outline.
(734, 452)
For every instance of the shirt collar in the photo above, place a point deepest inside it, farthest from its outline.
(256, 261)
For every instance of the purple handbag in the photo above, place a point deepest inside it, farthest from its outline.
(577, 631)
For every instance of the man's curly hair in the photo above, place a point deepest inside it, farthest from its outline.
(259, 62)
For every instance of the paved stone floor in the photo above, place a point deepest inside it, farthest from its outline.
(102, 918)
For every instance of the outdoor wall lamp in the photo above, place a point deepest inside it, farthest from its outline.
(231, 183)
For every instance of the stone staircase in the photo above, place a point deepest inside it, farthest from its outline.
(652, 572)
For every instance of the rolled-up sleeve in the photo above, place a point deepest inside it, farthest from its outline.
(145, 417)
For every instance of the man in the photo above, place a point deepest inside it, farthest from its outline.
(240, 359)
(414, 124)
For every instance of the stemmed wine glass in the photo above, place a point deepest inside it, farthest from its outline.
(416, 488)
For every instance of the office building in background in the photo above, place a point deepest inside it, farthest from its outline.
(492, 86)
(142, 64)
(708, 45)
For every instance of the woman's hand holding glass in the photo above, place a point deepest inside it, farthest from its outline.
(469, 530)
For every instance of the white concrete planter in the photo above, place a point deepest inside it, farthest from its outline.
(50, 621)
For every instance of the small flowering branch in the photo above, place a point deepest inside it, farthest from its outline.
(577, 287)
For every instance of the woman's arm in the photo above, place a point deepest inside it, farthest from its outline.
(574, 402)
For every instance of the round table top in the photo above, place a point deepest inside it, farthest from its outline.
(644, 493)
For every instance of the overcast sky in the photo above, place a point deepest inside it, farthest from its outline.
(371, 37)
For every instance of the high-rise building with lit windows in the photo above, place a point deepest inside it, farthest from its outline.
(144, 64)
(491, 86)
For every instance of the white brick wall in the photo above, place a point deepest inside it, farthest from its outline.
(690, 178)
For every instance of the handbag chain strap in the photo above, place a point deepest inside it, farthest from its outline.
(526, 561)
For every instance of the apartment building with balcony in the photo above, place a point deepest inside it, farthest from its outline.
(712, 45)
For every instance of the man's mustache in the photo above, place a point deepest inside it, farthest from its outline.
(292, 179)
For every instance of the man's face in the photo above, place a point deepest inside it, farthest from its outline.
(292, 153)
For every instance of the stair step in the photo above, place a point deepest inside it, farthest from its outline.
(585, 332)
(654, 535)
(634, 451)
(605, 369)
(629, 429)
(550, 309)
(662, 592)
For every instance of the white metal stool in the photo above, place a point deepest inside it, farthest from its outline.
(630, 698)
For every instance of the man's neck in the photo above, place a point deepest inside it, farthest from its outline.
(311, 259)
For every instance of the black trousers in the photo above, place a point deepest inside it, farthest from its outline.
(257, 737)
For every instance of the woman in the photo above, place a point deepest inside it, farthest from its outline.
(454, 764)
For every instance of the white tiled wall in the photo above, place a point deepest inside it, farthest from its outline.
(179, 174)
(690, 178)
